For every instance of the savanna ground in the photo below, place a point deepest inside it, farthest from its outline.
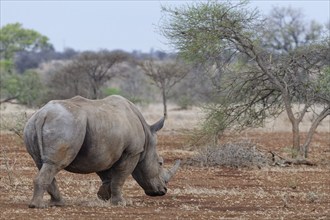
(271, 192)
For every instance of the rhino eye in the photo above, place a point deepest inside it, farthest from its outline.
(161, 163)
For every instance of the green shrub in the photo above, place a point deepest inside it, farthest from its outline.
(27, 88)
(111, 91)
(185, 102)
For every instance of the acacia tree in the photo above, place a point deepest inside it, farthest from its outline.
(252, 81)
(87, 73)
(165, 74)
(68, 81)
(99, 67)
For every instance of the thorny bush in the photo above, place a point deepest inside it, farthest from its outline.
(241, 154)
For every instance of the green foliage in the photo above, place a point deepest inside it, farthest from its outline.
(323, 86)
(6, 66)
(111, 91)
(32, 90)
(200, 30)
(215, 121)
(26, 88)
(9, 85)
(15, 38)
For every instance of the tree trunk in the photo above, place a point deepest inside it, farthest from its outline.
(297, 151)
(312, 130)
(94, 96)
(164, 102)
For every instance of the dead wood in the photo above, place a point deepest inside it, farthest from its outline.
(278, 160)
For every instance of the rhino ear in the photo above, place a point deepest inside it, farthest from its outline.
(157, 126)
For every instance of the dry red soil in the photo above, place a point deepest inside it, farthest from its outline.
(295, 192)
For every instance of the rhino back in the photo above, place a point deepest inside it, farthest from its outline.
(113, 131)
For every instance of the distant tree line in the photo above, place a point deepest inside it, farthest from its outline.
(33, 73)
(25, 60)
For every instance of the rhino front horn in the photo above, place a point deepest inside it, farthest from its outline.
(170, 173)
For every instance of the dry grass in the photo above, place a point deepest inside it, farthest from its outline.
(191, 118)
(179, 120)
(239, 154)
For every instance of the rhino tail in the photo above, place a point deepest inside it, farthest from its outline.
(40, 121)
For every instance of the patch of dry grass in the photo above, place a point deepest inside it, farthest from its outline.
(240, 154)
(180, 119)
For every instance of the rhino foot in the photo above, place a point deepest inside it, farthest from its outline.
(40, 205)
(118, 201)
(104, 192)
(56, 202)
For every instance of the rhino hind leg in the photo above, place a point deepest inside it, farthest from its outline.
(43, 182)
(56, 199)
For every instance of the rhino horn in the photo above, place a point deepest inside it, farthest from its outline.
(170, 173)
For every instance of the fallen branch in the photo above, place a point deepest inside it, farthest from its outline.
(9, 99)
(281, 161)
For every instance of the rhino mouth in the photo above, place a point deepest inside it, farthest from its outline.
(157, 193)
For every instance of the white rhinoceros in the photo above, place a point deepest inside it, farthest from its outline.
(109, 137)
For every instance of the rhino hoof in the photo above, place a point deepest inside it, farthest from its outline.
(56, 203)
(118, 202)
(40, 206)
(104, 193)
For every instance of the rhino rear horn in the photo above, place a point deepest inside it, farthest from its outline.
(157, 126)
(170, 173)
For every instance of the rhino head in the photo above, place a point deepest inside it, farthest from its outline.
(150, 173)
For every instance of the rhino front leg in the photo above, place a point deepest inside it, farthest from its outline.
(118, 174)
(104, 192)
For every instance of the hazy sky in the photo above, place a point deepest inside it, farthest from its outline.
(126, 25)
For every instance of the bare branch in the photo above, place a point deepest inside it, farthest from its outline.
(8, 99)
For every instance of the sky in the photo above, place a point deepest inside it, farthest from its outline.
(125, 25)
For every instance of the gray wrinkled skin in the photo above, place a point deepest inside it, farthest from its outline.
(109, 137)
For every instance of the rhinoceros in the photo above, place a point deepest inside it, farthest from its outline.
(108, 137)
